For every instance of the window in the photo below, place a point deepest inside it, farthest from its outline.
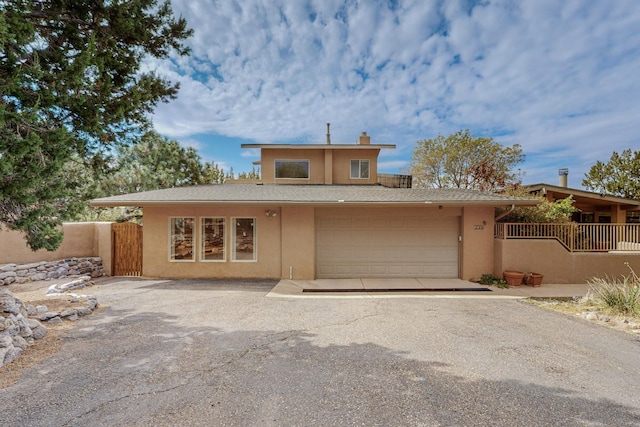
(212, 239)
(292, 169)
(360, 169)
(181, 239)
(244, 239)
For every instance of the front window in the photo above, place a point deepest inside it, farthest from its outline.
(244, 239)
(360, 169)
(181, 239)
(212, 239)
(296, 169)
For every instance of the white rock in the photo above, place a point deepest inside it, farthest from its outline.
(38, 276)
(49, 315)
(5, 341)
(39, 332)
(12, 354)
(53, 289)
(591, 316)
(8, 267)
(20, 342)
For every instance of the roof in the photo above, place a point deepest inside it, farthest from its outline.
(321, 146)
(311, 195)
(584, 197)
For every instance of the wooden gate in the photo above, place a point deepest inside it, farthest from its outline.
(126, 244)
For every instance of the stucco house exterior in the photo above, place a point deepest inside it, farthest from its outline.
(318, 211)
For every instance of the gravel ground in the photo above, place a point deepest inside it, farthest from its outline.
(195, 352)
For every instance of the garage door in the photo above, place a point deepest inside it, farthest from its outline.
(387, 246)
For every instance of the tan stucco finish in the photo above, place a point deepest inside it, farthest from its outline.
(551, 259)
(286, 242)
(81, 239)
(342, 166)
(298, 242)
(477, 241)
(326, 166)
(155, 262)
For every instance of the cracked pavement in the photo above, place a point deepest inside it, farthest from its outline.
(210, 352)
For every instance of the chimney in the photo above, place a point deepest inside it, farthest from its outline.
(328, 134)
(364, 139)
(564, 174)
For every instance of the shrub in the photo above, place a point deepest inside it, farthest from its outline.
(491, 280)
(559, 211)
(621, 295)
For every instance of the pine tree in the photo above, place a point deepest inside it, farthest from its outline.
(71, 86)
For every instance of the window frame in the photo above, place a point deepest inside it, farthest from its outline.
(360, 163)
(172, 252)
(234, 230)
(275, 168)
(201, 249)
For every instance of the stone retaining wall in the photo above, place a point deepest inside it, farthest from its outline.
(46, 270)
(20, 325)
(17, 330)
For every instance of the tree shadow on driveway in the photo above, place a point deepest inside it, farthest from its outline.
(143, 368)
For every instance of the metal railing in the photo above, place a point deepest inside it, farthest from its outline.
(577, 237)
(395, 181)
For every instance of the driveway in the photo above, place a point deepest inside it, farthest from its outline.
(203, 352)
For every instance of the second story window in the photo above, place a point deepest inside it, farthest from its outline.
(359, 169)
(295, 169)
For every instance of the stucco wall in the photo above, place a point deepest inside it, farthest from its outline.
(316, 165)
(477, 242)
(342, 166)
(298, 242)
(288, 239)
(81, 239)
(156, 262)
(330, 166)
(558, 265)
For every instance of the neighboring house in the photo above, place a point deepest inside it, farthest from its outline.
(317, 212)
(593, 207)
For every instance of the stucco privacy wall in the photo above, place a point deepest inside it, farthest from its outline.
(550, 258)
(81, 239)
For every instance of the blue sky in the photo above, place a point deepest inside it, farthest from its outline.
(560, 78)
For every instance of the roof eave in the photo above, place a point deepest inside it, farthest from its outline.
(319, 146)
(449, 203)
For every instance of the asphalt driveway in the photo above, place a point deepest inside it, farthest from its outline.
(215, 353)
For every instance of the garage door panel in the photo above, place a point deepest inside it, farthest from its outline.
(387, 246)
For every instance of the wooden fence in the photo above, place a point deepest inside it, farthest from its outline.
(577, 237)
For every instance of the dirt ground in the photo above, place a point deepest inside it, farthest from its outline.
(34, 293)
(629, 323)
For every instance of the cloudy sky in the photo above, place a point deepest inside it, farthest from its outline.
(561, 78)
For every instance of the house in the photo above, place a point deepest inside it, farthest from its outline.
(593, 207)
(318, 211)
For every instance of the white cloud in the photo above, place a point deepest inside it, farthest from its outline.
(251, 153)
(550, 75)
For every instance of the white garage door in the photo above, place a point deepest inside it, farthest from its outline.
(387, 246)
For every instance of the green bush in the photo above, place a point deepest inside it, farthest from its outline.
(621, 295)
(556, 212)
(491, 280)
